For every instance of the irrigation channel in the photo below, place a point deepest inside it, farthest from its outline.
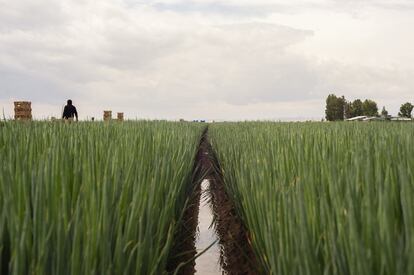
(209, 262)
(232, 252)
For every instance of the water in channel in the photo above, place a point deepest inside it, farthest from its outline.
(208, 263)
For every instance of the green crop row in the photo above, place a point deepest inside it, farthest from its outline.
(322, 198)
(92, 198)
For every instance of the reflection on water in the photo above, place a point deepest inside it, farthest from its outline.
(208, 263)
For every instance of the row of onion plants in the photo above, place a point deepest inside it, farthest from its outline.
(323, 198)
(92, 198)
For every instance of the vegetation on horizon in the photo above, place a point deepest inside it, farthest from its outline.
(338, 108)
(406, 110)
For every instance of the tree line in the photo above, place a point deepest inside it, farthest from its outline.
(338, 108)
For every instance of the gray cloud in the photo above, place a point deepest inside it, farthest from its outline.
(266, 7)
(164, 59)
(31, 15)
(20, 86)
(215, 7)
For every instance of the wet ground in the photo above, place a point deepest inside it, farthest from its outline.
(209, 262)
(232, 252)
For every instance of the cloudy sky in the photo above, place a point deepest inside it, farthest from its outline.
(204, 59)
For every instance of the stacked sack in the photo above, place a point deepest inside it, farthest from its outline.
(120, 116)
(107, 115)
(22, 110)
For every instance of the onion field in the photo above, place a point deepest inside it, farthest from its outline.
(121, 198)
(322, 198)
(92, 198)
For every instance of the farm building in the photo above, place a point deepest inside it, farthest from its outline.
(374, 118)
(357, 118)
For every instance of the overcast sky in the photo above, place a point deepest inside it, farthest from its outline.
(204, 59)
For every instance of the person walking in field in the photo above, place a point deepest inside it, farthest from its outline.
(70, 111)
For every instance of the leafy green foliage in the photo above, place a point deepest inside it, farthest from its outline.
(370, 108)
(335, 108)
(338, 108)
(384, 112)
(357, 108)
(323, 198)
(406, 110)
(92, 198)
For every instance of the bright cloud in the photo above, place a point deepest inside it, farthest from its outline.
(207, 59)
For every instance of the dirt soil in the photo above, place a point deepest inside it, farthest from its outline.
(236, 253)
(184, 249)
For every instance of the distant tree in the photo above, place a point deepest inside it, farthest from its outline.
(348, 110)
(341, 107)
(335, 108)
(370, 108)
(330, 107)
(405, 110)
(357, 108)
(384, 112)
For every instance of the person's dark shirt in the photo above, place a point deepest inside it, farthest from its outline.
(70, 112)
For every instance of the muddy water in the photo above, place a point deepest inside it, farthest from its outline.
(208, 263)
